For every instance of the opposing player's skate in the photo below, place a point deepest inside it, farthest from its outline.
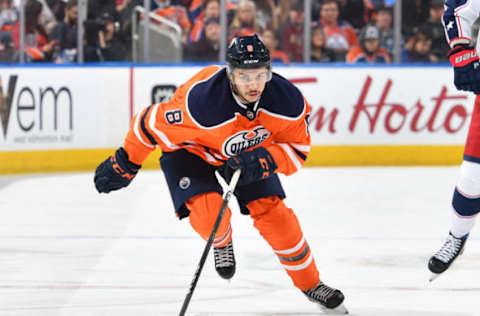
(225, 261)
(442, 259)
(328, 298)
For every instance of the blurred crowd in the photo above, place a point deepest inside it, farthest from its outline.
(352, 31)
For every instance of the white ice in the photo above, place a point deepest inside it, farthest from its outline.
(67, 250)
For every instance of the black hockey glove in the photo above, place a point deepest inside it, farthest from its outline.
(115, 173)
(466, 68)
(256, 165)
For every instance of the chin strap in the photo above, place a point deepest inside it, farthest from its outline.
(235, 91)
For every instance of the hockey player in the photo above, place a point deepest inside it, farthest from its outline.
(458, 19)
(225, 118)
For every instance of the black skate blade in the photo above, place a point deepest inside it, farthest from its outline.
(433, 276)
(339, 310)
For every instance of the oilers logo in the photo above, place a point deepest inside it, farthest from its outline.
(184, 183)
(244, 140)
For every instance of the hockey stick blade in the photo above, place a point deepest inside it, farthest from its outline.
(226, 198)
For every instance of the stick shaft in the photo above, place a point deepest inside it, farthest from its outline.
(206, 250)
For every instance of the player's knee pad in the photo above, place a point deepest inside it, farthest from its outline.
(466, 198)
(204, 210)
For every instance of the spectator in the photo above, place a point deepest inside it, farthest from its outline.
(234, 3)
(65, 33)
(434, 26)
(353, 11)
(320, 54)
(175, 13)
(245, 20)
(419, 48)
(211, 10)
(8, 15)
(98, 11)
(112, 45)
(194, 8)
(340, 36)
(384, 23)
(271, 42)
(283, 7)
(58, 8)
(415, 13)
(369, 50)
(103, 39)
(97, 8)
(291, 33)
(125, 9)
(371, 7)
(267, 14)
(121, 5)
(374, 4)
(208, 48)
(47, 17)
(37, 47)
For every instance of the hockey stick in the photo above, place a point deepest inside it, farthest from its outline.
(228, 195)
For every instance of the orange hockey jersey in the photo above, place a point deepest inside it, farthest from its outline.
(206, 118)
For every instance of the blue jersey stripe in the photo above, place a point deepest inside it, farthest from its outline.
(299, 153)
(144, 128)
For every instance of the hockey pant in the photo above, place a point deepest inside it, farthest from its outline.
(277, 224)
(466, 198)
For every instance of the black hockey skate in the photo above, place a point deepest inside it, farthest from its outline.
(225, 261)
(442, 259)
(330, 299)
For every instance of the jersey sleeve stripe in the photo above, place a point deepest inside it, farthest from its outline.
(302, 148)
(291, 155)
(459, 40)
(158, 133)
(459, 26)
(144, 128)
(299, 153)
(137, 132)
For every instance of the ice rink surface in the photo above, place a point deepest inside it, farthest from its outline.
(67, 250)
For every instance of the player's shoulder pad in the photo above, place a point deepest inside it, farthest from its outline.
(209, 99)
(281, 97)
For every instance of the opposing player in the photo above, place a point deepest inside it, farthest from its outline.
(242, 116)
(458, 19)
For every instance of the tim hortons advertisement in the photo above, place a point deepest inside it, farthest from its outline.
(62, 108)
(384, 105)
(356, 105)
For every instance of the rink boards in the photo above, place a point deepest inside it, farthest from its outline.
(69, 118)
